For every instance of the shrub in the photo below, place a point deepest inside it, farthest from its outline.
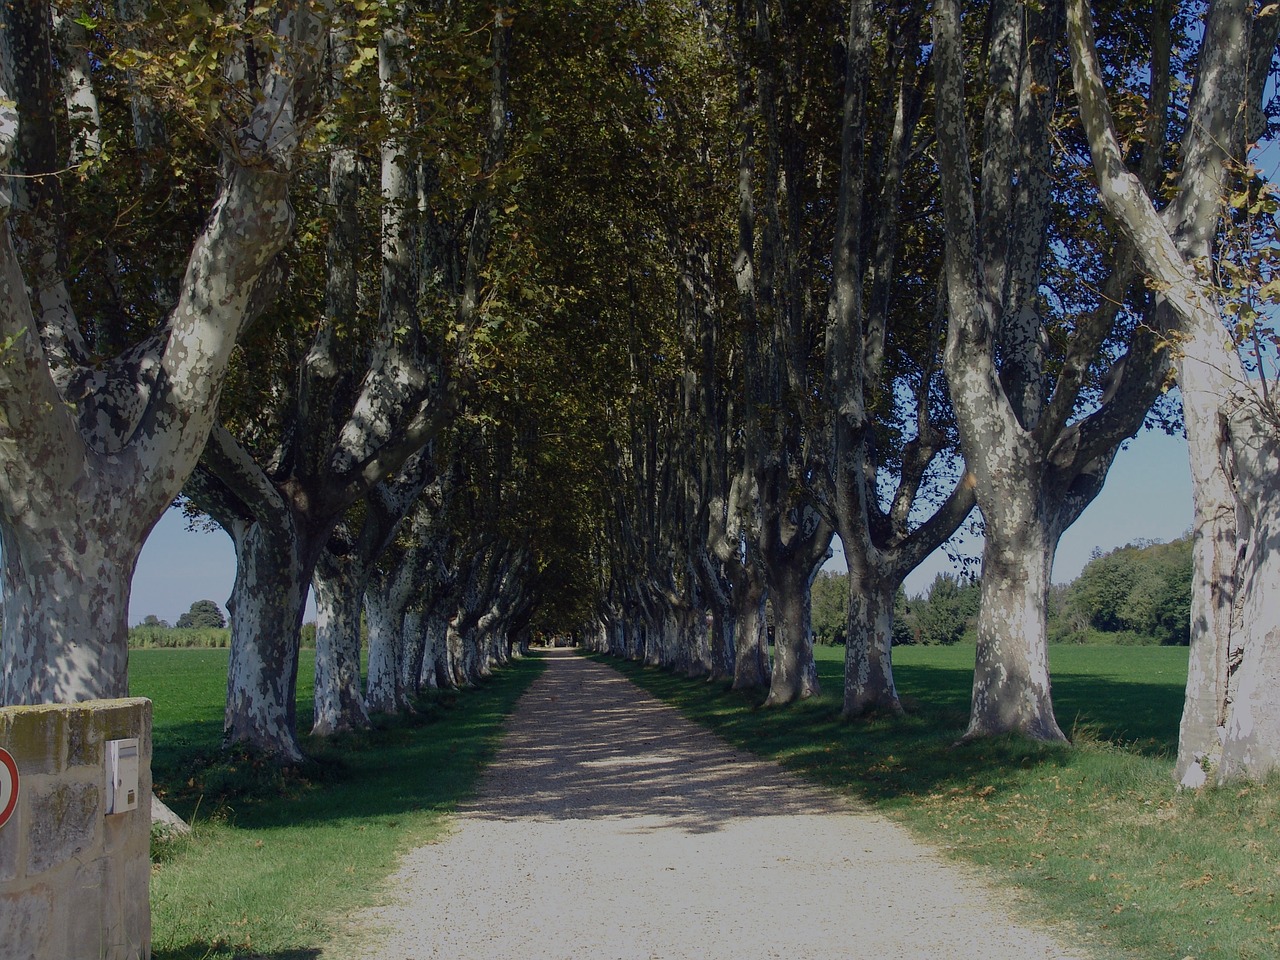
(146, 636)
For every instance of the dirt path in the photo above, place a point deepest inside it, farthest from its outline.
(611, 828)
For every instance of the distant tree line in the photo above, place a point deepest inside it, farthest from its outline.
(1136, 594)
(204, 625)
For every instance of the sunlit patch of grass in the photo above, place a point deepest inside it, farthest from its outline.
(1096, 831)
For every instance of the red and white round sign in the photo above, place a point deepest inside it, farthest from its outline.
(8, 786)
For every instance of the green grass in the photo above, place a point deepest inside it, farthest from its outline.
(1095, 832)
(276, 857)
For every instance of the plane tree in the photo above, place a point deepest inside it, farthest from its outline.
(1231, 718)
(341, 580)
(1044, 388)
(106, 401)
(885, 481)
(785, 141)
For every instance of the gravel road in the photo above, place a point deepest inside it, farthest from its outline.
(611, 828)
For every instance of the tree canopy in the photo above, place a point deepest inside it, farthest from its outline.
(203, 613)
(604, 318)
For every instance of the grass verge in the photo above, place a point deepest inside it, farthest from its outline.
(1094, 832)
(277, 856)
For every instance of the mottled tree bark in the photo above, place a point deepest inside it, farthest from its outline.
(266, 618)
(1231, 719)
(93, 454)
(350, 564)
(751, 655)
(385, 601)
(338, 583)
(353, 426)
(790, 573)
(868, 654)
(881, 546)
(276, 553)
(1034, 467)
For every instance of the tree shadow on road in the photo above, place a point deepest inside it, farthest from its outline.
(587, 744)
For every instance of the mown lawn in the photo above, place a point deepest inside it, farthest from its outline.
(274, 857)
(1095, 832)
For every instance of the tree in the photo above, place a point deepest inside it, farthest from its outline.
(1038, 444)
(780, 209)
(904, 629)
(888, 410)
(1142, 588)
(203, 613)
(96, 446)
(1231, 721)
(1100, 592)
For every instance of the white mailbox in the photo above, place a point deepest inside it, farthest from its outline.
(122, 775)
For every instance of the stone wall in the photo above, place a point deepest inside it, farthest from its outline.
(74, 882)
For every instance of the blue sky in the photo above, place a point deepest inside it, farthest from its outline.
(1147, 496)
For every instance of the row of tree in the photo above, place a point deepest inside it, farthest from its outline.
(895, 298)
(609, 316)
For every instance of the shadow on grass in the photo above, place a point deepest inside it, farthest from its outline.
(427, 759)
(895, 760)
(1140, 715)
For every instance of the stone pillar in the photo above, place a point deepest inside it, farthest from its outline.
(74, 881)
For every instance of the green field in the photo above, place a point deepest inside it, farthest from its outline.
(276, 858)
(1095, 833)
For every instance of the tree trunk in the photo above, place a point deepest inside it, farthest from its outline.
(721, 653)
(487, 634)
(1037, 458)
(338, 585)
(694, 639)
(795, 674)
(1231, 719)
(463, 654)
(266, 608)
(795, 542)
(277, 550)
(750, 636)
(415, 647)
(385, 692)
(1011, 674)
(652, 626)
(66, 604)
(123, 444)
(436, 672)
(386, 598)
(868, 662)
